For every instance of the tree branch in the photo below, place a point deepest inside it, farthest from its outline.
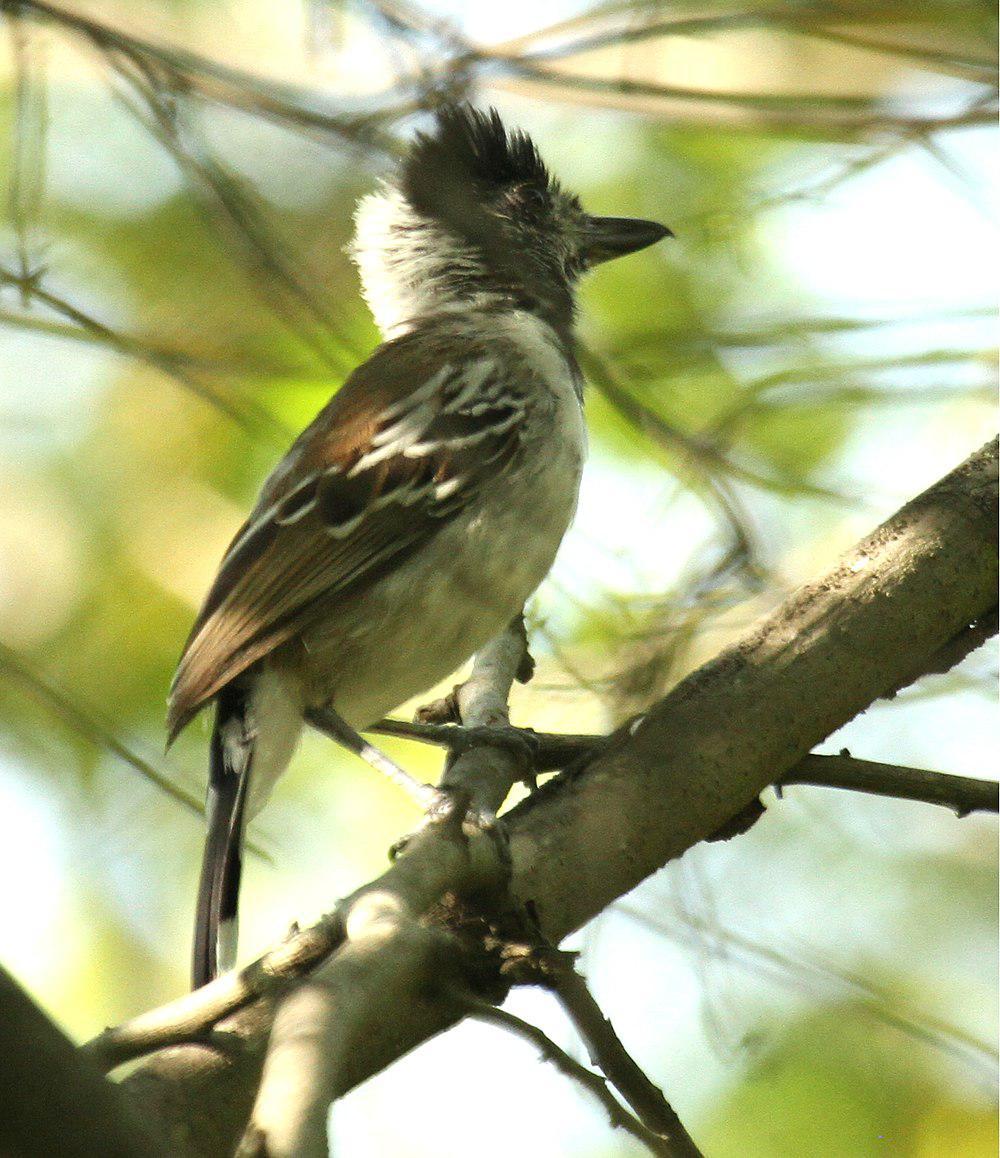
(593, 1083)
(692, 763)
(961, 793)
(389, 960)
(607, 1052)
(388, 957)
(963, 643)
(706, 750)
(56, 1100)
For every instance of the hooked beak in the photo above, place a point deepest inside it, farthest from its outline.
(608, 237)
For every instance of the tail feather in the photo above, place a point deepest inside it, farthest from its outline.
(230, 767)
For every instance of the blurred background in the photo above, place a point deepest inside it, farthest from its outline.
(177, 181)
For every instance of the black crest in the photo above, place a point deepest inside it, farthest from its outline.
(470, 146)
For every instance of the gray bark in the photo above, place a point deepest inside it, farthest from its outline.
(885, 613)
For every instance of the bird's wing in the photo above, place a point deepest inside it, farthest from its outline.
(402, 448)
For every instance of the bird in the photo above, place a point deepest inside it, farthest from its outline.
(410, 521)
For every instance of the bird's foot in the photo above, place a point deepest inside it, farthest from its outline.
(521, 742)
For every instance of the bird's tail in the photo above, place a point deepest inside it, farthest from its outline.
(230, 768)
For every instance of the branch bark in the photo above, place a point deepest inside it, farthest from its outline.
(56, 1100)
(696, 760)
(963, 794)
(960, 793)
(737, 724)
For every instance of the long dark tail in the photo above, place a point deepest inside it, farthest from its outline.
(230, 767)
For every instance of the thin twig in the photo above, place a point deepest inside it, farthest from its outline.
(193, 1016)
(817, 978)
(616, 1063)
(830, 114)
(617, 1114)
(298, 108)
(84, 723)
(433, 860)
(251, 417)
(963, 794)
(230, 201)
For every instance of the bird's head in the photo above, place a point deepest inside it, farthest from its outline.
(475, 218)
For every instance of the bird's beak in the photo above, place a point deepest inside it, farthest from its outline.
(608, 237)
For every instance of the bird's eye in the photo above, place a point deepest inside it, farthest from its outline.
(533, 198)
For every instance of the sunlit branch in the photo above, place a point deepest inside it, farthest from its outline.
(210, 79)
(831, 115)
(960, 63)
(829, 24)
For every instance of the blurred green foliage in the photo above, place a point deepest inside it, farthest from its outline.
(176, 302)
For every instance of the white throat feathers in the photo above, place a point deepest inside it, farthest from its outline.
(409, 266)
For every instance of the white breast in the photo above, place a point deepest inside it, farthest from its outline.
(456, 594)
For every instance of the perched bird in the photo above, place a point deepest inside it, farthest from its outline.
(408, 524)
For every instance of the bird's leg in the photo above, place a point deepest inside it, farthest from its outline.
(327, 721)
(495, 667)
(523, 743)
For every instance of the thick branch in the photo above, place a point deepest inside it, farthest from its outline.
(389, 960)
(740, 722)
(694, 761)
(56, 1100)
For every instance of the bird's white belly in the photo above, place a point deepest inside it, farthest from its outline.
(418, 625)
(421, 622)
(415, 626)
(370, 652)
